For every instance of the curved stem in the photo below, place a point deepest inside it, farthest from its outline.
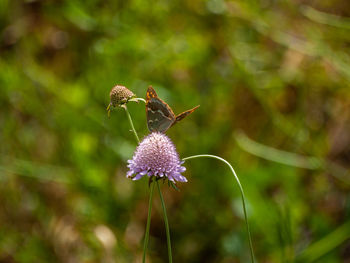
(166, 224)
(242, 195)
(131, 123)
(137, 100)
(145, 243)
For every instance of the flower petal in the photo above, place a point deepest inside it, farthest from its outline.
(156, 156)
(137, 177)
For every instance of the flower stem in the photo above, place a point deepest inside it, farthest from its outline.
(242, 195)
(138, 99)
(148, 224)
(145, 244)
(131, 123)
(166, 224)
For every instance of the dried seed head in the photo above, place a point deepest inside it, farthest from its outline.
(120, 95)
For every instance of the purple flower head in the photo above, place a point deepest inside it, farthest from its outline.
(156, 156)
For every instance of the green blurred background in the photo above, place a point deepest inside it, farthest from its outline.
(272, 79)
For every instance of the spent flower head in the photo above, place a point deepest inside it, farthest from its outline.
(120, 95)
(156, 156)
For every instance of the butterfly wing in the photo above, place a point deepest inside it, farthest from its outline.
(160, 116)
(184, 114)
(151, 93)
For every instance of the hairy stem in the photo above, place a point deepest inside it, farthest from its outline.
(131, 123)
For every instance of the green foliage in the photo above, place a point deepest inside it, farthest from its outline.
(272, 79)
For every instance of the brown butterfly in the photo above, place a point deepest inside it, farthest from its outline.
(160, 117)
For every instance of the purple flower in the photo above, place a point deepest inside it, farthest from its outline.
(156, 156)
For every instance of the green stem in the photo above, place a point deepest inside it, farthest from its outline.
(148, 224)
(137, 100)
(145, 244)
(242, 195)
(131, 123)
(166, 224)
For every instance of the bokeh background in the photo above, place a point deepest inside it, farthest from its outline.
(272, 79)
